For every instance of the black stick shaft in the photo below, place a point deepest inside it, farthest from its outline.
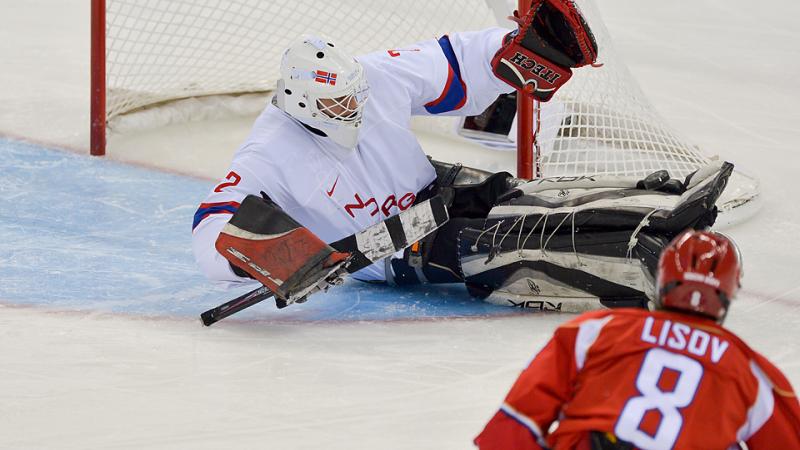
(226, 309)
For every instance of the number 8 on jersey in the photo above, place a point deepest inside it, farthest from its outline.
(655, 398)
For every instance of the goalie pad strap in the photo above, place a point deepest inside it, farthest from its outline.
(381, 240)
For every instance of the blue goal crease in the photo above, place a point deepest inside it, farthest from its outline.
(83, 233)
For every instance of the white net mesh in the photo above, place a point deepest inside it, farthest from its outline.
(159, 50)
(601, 123)
(164, 50)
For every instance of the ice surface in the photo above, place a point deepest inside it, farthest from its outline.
(92, 234)
(99, 340)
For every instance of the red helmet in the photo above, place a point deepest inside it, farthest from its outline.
(699, 272)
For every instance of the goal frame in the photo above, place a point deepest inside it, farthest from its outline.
(527, 151)
(97, 109)
(526, 138)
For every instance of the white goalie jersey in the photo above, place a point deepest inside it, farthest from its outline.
(333, 191)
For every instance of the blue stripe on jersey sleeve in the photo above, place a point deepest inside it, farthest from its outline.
(206, 209)
(454, 94)
(447, 48)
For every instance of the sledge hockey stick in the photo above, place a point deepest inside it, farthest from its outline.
(231, 307)
(373, 244)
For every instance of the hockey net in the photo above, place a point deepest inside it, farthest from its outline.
(159, 52)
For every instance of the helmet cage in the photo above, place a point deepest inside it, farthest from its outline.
(346, 109)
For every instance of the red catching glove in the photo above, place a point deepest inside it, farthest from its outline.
(552, 37)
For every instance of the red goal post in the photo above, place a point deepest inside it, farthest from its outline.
(527, 152)
(97, 109)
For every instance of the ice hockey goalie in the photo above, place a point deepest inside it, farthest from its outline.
(333, 153)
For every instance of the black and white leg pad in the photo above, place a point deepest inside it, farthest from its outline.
(579, 243)
(570, 273)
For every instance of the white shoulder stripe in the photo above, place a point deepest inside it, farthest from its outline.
(587, 334)
(529, 423)
(762, 408)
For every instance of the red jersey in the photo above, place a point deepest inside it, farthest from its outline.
(658, 380)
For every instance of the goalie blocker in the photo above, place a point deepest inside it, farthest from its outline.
(271, 247)
(262, 242)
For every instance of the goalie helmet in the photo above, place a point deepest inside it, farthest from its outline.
(699, 272)
(324, 88)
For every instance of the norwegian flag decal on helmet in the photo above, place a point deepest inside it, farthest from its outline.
(325, 77)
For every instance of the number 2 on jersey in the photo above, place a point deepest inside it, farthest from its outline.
(668, 403)
(234, 180)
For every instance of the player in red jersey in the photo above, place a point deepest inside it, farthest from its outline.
(673, 378)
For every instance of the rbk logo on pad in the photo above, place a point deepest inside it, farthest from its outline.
(325, 77)
(540, 305)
